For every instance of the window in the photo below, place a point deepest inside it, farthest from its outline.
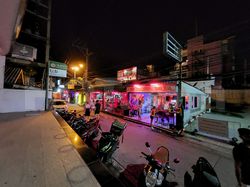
(194, 102)
(59, 103)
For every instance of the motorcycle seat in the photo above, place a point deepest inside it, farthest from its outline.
(211, 179)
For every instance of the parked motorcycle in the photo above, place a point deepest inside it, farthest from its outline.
(68, 116)
(154, 173)
(204, 175)
(87, 130)
(110, 141)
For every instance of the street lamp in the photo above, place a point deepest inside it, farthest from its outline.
(75, 69)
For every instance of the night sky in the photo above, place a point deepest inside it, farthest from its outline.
(119, 32)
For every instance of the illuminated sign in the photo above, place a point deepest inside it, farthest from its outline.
(57, 69)
(71, 86)
(127, 74)
(155, 87)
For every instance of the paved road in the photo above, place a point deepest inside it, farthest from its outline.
(186, 149)
(188, 152)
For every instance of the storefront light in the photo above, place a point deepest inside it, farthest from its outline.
(137, 86)
(61, 86)
(58, 89)
(155, 85)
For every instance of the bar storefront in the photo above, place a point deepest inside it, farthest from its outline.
(160, 95)
(137, 101)
(112, 100)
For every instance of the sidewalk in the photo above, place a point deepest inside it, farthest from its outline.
(35, 151)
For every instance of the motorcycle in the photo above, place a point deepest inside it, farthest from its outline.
(110, 141)
(87, 130)
(154, 173)
(204, 175)
(67, 116)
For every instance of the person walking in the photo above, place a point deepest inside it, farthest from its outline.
(152, 115)
(241, 154)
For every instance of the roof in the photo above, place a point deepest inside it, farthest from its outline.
(188, 89)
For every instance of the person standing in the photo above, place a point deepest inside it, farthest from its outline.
(97, 108)
(152, 115)
(139, 108)
(92, 107)
(87, 109)
(241, 154)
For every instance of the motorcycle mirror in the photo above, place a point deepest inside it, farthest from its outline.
(234, 141)
(176, 160)
(147, 144)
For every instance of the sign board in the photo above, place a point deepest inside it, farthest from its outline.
(71, 86)
(161, 87)
(24, 52)
(127, 74)
(57, 69)
(73, 81)
(171, 47)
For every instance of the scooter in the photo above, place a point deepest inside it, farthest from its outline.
(67, 116)
(89, 130)
(152, 174)
(204, 175)
(110, 141)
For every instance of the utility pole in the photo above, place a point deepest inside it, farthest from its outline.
(85, 51)
(47, 57)
(87, 54)
(179, 85)
(180, 107)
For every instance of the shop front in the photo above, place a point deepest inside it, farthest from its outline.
(116, 102)
(143, 97)
(163, 96)
(111, 100)
(96, 95)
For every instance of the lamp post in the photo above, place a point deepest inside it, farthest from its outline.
(180, 107)
(75, 69)
(87, 55)
(179, 85)
(85, 51)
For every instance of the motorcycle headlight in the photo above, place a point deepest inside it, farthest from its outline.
(150, 179)
(106, 148)
(159, 179)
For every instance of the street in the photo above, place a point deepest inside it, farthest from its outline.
(188, 152)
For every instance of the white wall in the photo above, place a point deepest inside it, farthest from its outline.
(13, 100)
(189, 113)
(2, 68)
